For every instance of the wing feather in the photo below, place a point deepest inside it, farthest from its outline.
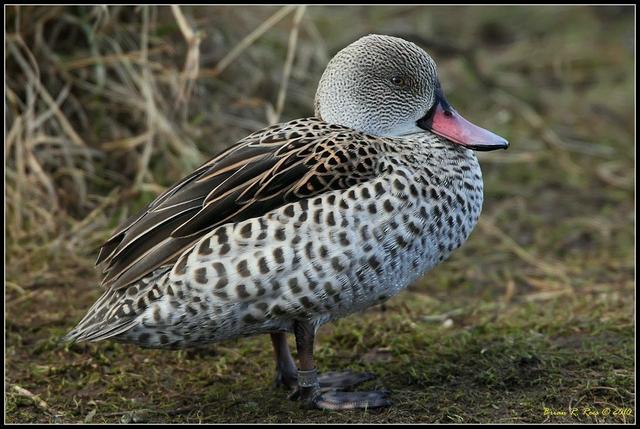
(264, 171)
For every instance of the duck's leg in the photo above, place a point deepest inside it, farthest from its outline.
(287, 373)
(309, 385)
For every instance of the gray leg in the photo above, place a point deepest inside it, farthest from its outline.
(309, 385)
(286, 371)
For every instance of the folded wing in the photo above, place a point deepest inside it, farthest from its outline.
(272, 167)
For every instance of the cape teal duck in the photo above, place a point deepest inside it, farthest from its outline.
(303, 222)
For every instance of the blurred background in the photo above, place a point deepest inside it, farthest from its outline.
(106, 106)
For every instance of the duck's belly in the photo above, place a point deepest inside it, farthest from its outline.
(318, 260)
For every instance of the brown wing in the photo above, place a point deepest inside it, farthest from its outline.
(272, 167)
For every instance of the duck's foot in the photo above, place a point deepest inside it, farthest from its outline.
(344, 380)
(350, 400)
(333, 380)
(309, 391)
(334, 400)
(320, 391)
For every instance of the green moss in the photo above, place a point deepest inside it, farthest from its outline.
(494, 362)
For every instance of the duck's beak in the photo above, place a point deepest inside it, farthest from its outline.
(443, 120)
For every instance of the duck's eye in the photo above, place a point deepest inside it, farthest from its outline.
(397, 80)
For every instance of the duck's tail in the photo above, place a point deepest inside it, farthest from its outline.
(117, 310)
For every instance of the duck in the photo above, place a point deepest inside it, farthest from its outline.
(303, 222)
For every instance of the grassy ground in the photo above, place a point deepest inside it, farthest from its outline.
(532, 320)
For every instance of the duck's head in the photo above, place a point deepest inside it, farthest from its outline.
(387, 86)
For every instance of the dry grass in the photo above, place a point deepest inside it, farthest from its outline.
(106, 106)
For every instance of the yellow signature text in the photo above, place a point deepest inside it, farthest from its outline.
(588, 412)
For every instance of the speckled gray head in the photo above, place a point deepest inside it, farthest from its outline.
(387, 86)
(380, 85)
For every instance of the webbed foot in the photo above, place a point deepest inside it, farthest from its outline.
(320, 391)
(334, 400)
(334, 380)
(343, 380)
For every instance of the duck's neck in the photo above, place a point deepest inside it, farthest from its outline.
(433, 159)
